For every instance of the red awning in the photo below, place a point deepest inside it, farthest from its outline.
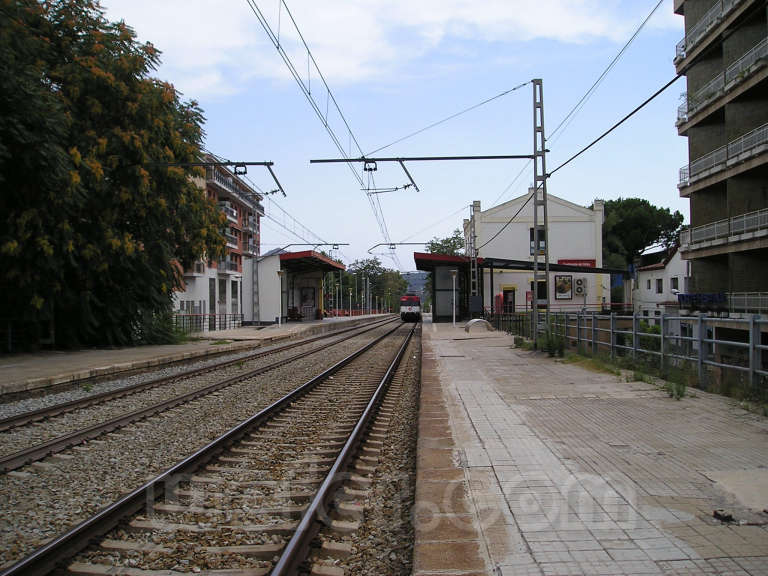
(309, 259)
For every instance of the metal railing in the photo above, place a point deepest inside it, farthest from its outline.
(671, 342)
(231, 239)
(190, 323)
(741, 224)
(228, 183)
(698, 31)
(748, 302)
(228, 210)
(718, 159)
(227, 266)
(732, 76)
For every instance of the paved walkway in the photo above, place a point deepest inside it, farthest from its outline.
(528, 465)
(19, 372)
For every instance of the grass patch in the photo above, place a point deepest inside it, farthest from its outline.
(220, 342)
(595, 364)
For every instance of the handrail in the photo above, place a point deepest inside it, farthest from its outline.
(720, 156)
(698, 31)
(740, 224)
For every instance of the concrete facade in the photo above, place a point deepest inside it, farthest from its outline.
(575, 237)
(724, 57)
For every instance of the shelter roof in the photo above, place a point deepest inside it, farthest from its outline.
(309, 260)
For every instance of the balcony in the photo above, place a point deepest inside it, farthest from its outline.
(197, 269)
(231, 213)
(714, 16)
(250, 248)
(252, 225)
(231, 240)
(234, 186)
(228, 266)
(725, 231)
(724, 82)
(747, 146)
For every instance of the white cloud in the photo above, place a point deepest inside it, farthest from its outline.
(212, 48)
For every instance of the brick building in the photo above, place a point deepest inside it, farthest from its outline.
(219, 293)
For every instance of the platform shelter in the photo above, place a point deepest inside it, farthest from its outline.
(291, 285)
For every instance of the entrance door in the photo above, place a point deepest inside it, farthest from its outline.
(509, 301)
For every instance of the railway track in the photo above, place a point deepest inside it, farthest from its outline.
(252, 500)
(31, 436)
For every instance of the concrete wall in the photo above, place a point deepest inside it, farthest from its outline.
(269, 289)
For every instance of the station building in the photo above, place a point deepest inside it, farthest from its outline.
(218, 294)
(504, 236)
(575, 240)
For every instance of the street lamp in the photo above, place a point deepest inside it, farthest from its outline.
(350, 302)
(336, 298)
(280, 311)
(453, 299)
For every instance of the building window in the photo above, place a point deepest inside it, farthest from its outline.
(648, 284)
(541, 239)
(673, 283)
(645, 313)
(659, 285)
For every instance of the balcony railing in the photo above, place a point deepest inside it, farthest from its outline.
(750, 143)
(714, 15)
(251, 225)
(227, 266)
(748, 302)
(231, 240)
(228, 183)
(732, 76)
(228, 210)
(741, 224)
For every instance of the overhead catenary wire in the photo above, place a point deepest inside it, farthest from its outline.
(583, 100)
(617, 124)
(316, 107)
(447, 118)
(566, 121)
(580, 152)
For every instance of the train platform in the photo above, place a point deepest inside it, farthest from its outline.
(529, 465)
(36, 371)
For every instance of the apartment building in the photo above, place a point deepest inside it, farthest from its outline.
(219, 293)
(724, 115)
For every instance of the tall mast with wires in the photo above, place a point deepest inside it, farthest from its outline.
(539, 176)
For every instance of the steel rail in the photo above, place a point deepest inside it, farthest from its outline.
(64, 407)
(295, 551)
(23, 457)
(46, 558)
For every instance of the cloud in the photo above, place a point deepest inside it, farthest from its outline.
(212, 48)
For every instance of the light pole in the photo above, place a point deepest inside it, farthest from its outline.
(280, 311)
(350, 302)
(453, 298)
(336, 299)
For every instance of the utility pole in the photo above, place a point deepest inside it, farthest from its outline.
(472, 251)
(539, 176)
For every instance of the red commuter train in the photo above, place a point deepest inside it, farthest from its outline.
(410, 308)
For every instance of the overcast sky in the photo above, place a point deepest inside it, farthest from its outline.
(397, 66)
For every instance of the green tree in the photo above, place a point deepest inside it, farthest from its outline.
(96, 228)
(452, 245)
(386, 284)
(633, 224)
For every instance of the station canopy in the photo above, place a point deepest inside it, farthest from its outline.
(428, 262)
(308, 261)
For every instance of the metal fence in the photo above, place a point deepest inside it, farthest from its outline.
(662, 342)
(191, 323)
